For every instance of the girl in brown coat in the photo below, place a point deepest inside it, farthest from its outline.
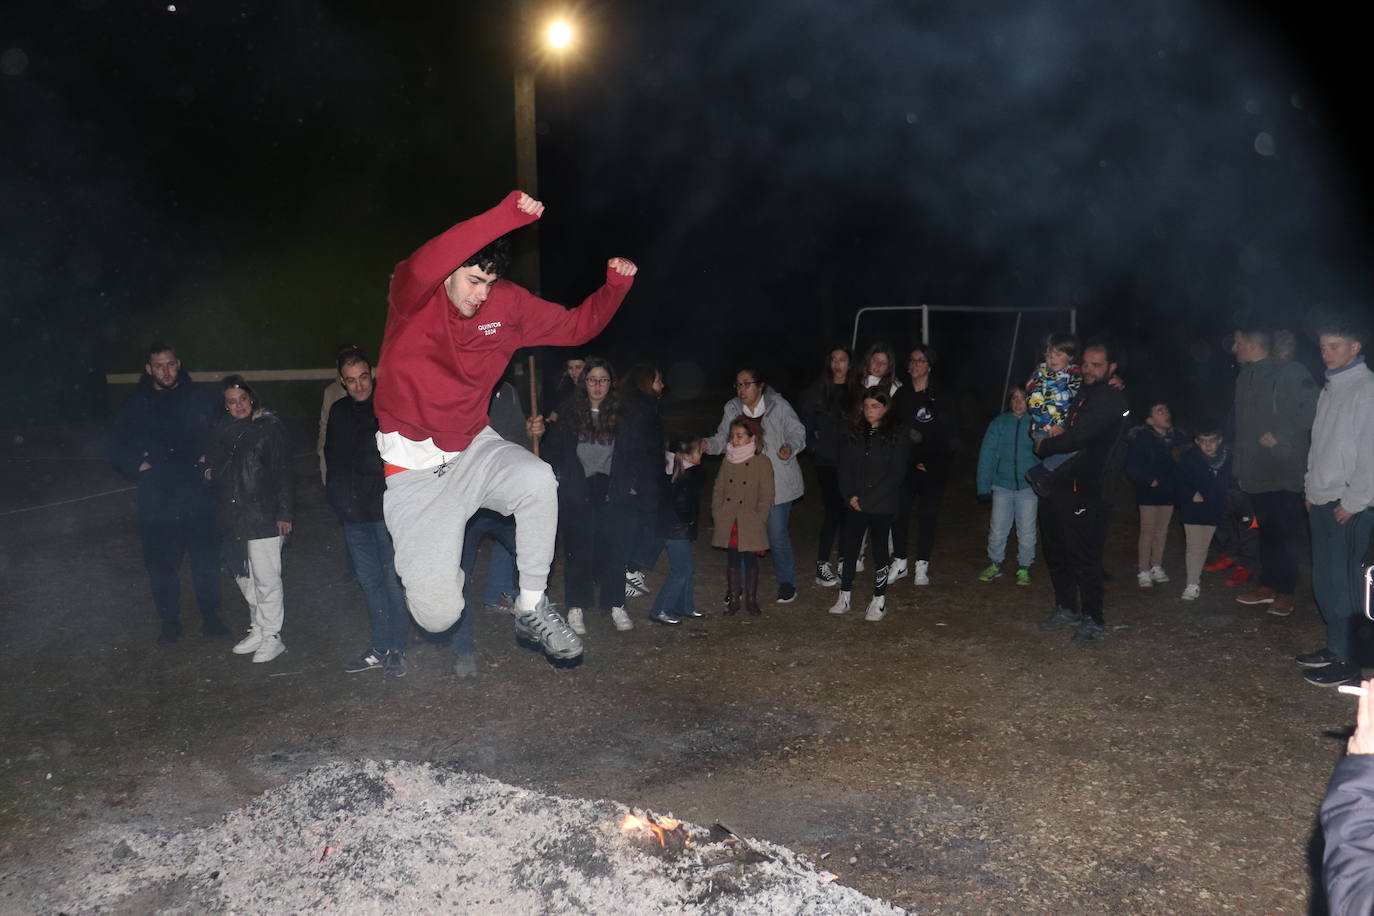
(740, 504)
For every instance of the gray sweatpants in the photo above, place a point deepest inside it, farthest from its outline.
(426, 512)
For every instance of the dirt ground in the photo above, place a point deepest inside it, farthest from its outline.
(950, 759)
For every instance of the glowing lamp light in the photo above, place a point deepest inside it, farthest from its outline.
(560, 35)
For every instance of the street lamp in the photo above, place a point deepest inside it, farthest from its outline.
(557, 36)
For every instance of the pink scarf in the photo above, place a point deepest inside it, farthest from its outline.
(738, 454)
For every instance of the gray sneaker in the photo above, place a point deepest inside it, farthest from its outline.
(544, 626)
(1060, 618)
(394, 664)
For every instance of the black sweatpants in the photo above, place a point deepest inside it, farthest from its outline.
(924, 489)
(1071, 542)
(851, 543)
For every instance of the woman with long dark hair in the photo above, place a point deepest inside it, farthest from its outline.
(607, 454)
(873, 460)
(827, 409)
(642, 386)
(927, 411)
(251, 469)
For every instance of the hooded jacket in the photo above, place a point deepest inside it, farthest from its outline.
(1195, 474)
(1277, 397)
(872, 466)
(252, 474)
(929, 415)
(781, 426)
(1150, 458)
(170, 430)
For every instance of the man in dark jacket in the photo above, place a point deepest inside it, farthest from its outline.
(1071, 503)
(354, 485)
(1347, 820)
(159, 441)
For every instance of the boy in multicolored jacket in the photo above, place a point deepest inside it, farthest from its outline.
(1049, 394)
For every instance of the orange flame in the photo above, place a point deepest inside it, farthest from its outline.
(659, 829)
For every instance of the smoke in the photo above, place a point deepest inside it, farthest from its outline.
(1151, 163)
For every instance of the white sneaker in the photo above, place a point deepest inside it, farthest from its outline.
(922, 568)
(1192, 592)
(575, 622)
(841, 605)
(1157, 574)
(271, 647)
(634, 585)
(621, 619)
(249, 643)
(877, 609)
(1143, 579)
(825, 575)
(896, 569)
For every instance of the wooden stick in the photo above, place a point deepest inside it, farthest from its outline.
(534, 402)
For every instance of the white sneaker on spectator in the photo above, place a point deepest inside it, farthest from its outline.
(575, 622)
(634, 585)
(621, 619)
(250, 643)
(1157, 574)
(897, 569)
(1192, 592)
(841, 605)
(1143, 579)
(922, 572)
(825, 575)
(271, 647)
(877, 609)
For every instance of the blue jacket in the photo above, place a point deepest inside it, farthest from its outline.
(1149, 457)
(1006, 454)
(1195, 474)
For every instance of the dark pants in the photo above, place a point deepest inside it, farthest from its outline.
(832, 511)
(596, 543)
(647, 545)
(500, 571)
(1071, 542)
(1338, 552)
(1280, 516)
(374, 562)
(924, 489)
(1235, 538)
(851, 544)
(165, 542)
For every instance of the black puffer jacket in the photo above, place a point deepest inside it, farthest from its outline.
(680, 507)
(252, 472)
(872, 466)
(354, 480)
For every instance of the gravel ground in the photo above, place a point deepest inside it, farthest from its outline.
(950, 759)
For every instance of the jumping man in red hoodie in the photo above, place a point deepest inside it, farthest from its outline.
(452, 325)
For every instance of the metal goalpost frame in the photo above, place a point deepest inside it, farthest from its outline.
(925, 311)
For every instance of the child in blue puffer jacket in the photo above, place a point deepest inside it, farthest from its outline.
(1202, 480)
(1007, 453)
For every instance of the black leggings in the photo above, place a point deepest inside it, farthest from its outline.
(851, 542)
(924, 488)
(832, 511)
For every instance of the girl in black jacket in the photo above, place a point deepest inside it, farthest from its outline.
(827, 409)
(607, 451)
(873, 459)
(249, 464)
(679, 509)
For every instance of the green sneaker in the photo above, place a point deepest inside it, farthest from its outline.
(1023, 576)
(993, 571)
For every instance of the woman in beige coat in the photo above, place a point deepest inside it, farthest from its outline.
(740, 503)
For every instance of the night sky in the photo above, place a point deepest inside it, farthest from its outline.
(241, 177)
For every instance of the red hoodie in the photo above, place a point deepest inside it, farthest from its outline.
(440, 366)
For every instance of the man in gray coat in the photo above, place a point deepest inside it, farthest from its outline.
(1275, 403)
(1340, 492)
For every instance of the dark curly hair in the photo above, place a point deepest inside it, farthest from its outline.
(493, 259)
(601, 428)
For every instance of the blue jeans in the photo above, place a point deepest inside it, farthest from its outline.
(1008, 507)
(500, 572)
(1338, 576)
(780, 543)
(676, 594)
(374, 559)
